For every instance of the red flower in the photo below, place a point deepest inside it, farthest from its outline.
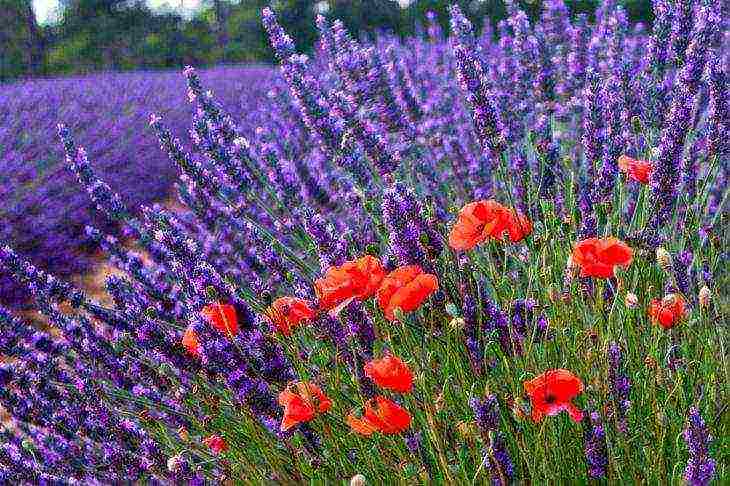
(668, 311)
(190, 342)
(638, 170)
(355, 279)
(485, 219)
(391, 373)
(597, 257)
(288, 312)
(405, 288)
(381, 415)
(302, 401)
(552, 392)
(222, 317)
(216, 444)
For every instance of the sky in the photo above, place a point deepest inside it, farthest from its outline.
(46, 11)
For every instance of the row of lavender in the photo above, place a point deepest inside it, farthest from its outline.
(369, 148)
(43, 213)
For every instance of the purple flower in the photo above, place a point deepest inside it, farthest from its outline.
(594, 444)
(700, 466)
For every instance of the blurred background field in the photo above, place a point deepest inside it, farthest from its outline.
(45, 37)
(44, 212)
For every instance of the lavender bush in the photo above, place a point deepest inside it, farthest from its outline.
(413, 258)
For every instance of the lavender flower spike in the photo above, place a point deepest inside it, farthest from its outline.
(700, 467)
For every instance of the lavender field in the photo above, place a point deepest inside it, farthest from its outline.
(44, 211)
(474, 256)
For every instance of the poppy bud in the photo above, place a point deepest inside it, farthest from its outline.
(553, 294)
(358, 480)
(211, 293)
(631, 300)
(636, 124)
(372, 249)
(150, 312)
(664, 259)
(704, 296)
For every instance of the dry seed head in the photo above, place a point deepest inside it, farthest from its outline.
(457, 324)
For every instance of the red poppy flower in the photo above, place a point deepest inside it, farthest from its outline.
(381, 415)
(302, 401)
(597, 257)
(190, 342)
(668, 311)
(288, 312)
(355, 279)
(216, 444)
(484, 219)
(637, 170)
(391, 373)
(405, 288)
(552, 392)
(222, 317)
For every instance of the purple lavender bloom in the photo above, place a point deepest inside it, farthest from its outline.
(680, 30)
(594, 443)
(620, 386)
(664, 178)
(486, 412)
(718, 123)
(592, 122)
(700, 466)
(472, 76)
(497, 457)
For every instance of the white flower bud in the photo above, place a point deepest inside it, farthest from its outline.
(358, 480)
(705, 296)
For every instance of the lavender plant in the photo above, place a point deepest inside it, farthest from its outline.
(407, 227)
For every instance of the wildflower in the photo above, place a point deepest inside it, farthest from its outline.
(664, 259)
(405, 288)
(619, 386)
(391, 373)
(597, 257)
(631, 300)
(302, 401)
(637, 170)
(700, 467)
(288, 312)
(216, 444)
(381, 415)
(486, 412)
(355, 279)
(668, 311)
(222, 317)
(594, 443)
(552, 392)
(190, 342)
(704, 296)
(485, 219)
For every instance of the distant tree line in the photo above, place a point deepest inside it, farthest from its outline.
(93, 35)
